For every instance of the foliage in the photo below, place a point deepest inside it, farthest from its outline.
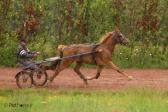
(52, 22)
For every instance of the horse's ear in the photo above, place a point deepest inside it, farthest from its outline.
(117, 29)
(109, 33)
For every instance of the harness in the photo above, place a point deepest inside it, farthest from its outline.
(92, 53)
(94, 46)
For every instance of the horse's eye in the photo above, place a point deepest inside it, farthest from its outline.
(120, 36)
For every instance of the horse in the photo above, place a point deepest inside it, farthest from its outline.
(101, 56)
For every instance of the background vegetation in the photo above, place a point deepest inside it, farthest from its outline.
(47, 23)
(37, 100)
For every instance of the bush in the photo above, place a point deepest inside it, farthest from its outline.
(8, 52)
(45, 24)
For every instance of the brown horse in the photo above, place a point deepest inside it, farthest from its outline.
(101, 57)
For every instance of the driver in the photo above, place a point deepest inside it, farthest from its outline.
(24, 55)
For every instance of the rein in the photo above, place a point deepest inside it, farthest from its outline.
(92, 53)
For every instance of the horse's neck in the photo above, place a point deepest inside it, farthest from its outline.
(110, 45)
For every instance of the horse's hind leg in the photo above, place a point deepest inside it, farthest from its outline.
(99, 69)
(61, 67)
(76, 69)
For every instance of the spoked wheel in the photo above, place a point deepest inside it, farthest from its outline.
(39, 77)
(24, 79)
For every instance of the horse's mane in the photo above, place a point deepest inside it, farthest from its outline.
(105, 37)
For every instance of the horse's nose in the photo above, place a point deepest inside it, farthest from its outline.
(126, 42)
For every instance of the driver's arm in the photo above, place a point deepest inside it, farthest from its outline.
(26, 54)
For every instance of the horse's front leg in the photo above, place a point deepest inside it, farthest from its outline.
(113, 66)
(99, 69)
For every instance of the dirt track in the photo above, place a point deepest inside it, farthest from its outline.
(109, 79)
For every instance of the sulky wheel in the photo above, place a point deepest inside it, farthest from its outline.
(24, 79)
(39, 77)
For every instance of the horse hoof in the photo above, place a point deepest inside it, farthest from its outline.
(51, 79)
(130, 77)
(85, 81)
(89, 78)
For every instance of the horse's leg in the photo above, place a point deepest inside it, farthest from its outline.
(61, 67)
(99, 69)
(113, 66)
(76, 69)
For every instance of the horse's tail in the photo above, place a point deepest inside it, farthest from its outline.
(61, 47)
(60, 50)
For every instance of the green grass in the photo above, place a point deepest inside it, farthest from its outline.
(42, 100)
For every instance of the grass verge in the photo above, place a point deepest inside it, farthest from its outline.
(42, 100)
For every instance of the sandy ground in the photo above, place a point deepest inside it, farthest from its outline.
(109, 79)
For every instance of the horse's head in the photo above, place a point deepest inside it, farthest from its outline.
(119, 38)
(116, 37)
